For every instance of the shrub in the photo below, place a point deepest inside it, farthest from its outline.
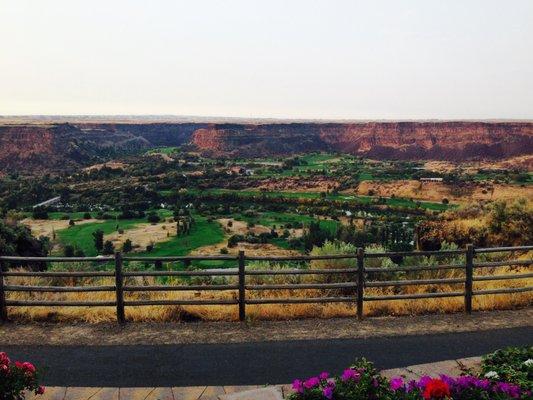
(108, 248)
(224, 250)
(16, 378)
(127, 246)
(87, 216)
(513, 364)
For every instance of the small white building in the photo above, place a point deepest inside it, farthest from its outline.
(430, 179)
(48, 202)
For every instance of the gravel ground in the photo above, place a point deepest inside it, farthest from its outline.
(260, 331)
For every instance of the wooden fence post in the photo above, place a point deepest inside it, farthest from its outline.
(360, 281)
(119, 288)
(3, 307)
(469, 277)
(242, 282)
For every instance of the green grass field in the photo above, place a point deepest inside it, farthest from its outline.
(203, 233)
(81, 236)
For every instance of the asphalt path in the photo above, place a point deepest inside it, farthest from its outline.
(253, 363)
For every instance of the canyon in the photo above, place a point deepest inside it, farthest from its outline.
(52, 146)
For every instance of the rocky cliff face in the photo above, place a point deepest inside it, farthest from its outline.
(38, 147)
(455, 141)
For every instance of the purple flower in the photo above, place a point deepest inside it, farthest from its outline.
(312, 382)
(422, 382)
(396, 383)
(328, 392)
(412, 385)
(509, 389)
(350, 374)
(323, 376)
(298, 386)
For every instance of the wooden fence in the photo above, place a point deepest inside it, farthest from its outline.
(361, 280)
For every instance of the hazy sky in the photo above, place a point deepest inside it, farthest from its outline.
(287, 58)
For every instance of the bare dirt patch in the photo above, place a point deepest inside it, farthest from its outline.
(241, 228)
(232, 332)
(47, 227)
(109, 164)
(299, 184)
(144, 234)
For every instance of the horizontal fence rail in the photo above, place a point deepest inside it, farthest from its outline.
(351, 290)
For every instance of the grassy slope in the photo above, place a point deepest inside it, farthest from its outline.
(81, 235)
(203, 233)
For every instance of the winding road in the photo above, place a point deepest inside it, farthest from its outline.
(250, 363)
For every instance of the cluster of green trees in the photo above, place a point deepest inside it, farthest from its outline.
(17, 240)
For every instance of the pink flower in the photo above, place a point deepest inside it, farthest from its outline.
(298, 386)
(312, 382)
(350, 374)
(4, 359)
(323, 376)
(40, 390)
(4, 368)
(28, 367)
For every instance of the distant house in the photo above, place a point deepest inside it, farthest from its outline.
(431, 179)
(240, 171)
(48, 202)
(235, 170)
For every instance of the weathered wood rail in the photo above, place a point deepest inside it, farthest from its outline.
(361, 280)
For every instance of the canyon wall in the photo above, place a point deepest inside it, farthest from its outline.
(30, 147)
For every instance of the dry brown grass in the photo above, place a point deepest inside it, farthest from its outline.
(261, 312)
(436, 191)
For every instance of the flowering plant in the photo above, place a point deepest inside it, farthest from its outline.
(361, 381)
(513, 365)
(16, 378)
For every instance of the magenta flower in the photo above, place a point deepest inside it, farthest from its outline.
(350, 374)
(298, 386)
(328, 392)
(312, 382)
(323, 376)
(396, 383)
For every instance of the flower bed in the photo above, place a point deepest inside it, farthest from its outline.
(362, 381)
(16, 378)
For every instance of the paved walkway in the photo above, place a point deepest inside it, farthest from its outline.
(250, 363)
(450, 367)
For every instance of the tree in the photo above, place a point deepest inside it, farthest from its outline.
(98, 237)
(153, 217)
(17, 240)
(127, 246)
(69, 251)
(39, 213)
(108, 247)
